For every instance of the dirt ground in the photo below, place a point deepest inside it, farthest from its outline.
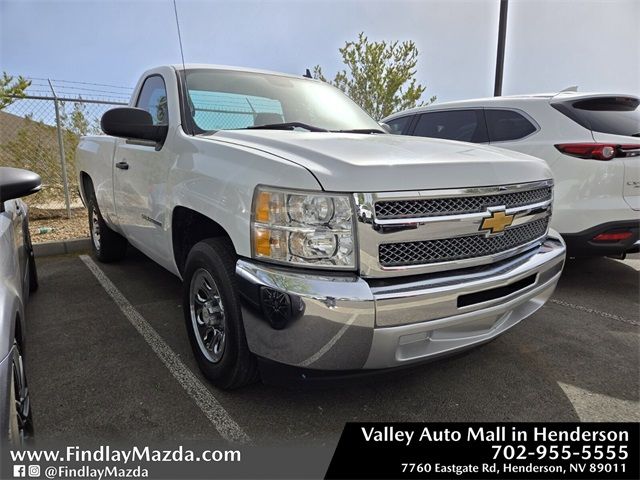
(61, 227)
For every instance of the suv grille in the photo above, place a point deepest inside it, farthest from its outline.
(457, 248)
(458, 205)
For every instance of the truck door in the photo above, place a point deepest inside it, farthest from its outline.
(140, 178)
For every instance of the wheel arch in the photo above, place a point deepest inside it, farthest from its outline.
(188, 227)
(18, 332)
(85, 185)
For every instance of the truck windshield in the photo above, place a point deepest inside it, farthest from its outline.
(227, 100)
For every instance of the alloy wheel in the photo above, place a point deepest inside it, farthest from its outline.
(95, 228)
(207, 315)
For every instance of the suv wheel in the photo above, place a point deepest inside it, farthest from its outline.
(213, 316)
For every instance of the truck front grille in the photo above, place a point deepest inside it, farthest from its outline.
(434, 207)
(457, 248)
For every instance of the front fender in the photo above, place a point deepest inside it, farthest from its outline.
(218, 179)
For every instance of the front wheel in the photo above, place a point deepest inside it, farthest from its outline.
(213, 317)
(107, 245)
(20, 421)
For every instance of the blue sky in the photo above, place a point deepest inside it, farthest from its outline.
(550, 44)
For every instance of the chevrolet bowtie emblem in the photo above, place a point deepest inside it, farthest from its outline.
(497, 222)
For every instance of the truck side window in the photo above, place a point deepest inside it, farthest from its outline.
(506, 125)
(399, 125)
(461, 125)
(153, 99)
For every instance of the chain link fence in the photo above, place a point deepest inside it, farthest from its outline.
(41, 133)
(40, 130)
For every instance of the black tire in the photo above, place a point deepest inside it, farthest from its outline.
(33, 270)
(215, 259)
(107, 245)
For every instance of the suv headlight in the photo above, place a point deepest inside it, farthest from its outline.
(303, 228)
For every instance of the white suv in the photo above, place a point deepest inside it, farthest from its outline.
(590, 141)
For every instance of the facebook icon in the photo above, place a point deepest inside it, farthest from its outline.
(19, 471)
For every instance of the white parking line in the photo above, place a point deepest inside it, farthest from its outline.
(594, 312)
(201, 395)
(598, 407)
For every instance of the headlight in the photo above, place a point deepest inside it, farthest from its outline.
(303, 228)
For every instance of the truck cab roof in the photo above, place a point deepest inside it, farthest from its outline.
(206, 66)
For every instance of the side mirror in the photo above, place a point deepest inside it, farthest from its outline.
(16, 183)
(385, 127)
(129, 122)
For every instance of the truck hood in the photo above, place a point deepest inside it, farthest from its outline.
(347, 162)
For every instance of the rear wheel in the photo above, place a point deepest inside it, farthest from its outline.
(213, 317)
(107, 245)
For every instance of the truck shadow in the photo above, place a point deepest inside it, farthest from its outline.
(602, 275)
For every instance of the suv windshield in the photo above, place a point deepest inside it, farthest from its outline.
(615, 115)
(227, 99)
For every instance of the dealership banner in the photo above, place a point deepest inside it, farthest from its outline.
(184, 460)
(487, 450)
(364, 451)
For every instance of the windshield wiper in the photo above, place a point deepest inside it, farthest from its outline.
(361, 130)
(311, 128)
(287, 126)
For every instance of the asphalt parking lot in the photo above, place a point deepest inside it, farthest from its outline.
(94, 375)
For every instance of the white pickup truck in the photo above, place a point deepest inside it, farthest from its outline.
(306, 235)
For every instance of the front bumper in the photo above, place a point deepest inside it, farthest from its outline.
(344, 322)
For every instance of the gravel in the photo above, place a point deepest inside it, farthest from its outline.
(62, 228)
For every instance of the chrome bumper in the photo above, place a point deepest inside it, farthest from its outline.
(342, 322)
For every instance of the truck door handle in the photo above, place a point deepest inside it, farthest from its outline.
(122, 165)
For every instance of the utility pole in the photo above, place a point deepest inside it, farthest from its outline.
(502, 33)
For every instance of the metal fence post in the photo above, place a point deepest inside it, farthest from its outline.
(63, 161)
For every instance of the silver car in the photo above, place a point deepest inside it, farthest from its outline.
(18, 277)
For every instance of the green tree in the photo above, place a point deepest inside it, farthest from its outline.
(11, 87)
(379, 76)
(79, 122)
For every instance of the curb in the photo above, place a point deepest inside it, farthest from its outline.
(47, 249)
